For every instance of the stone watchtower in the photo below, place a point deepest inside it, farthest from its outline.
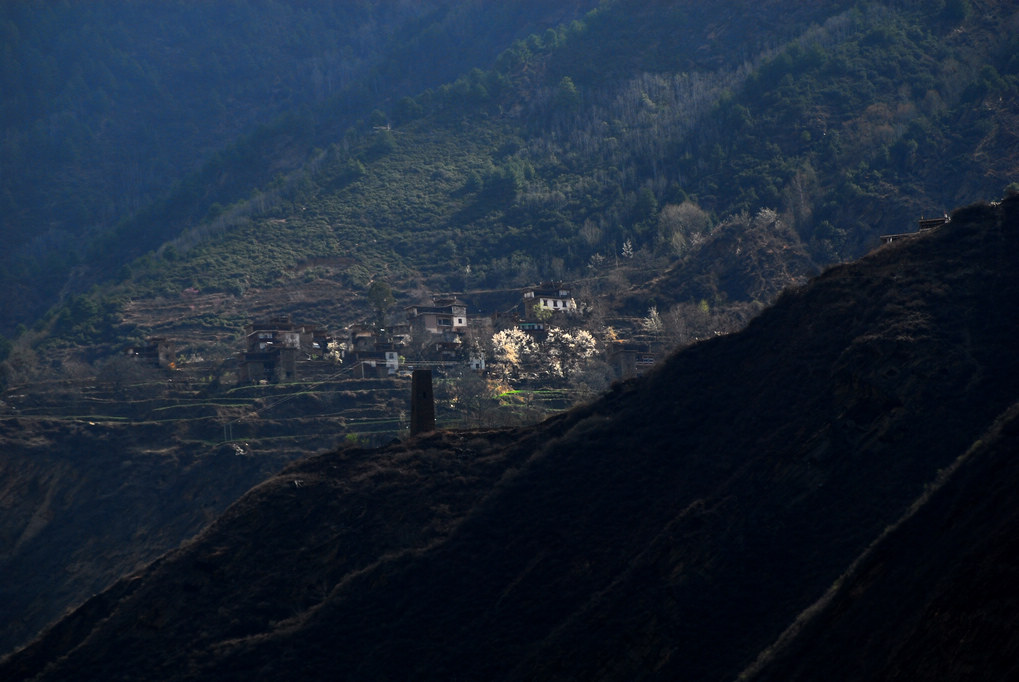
(422, 403)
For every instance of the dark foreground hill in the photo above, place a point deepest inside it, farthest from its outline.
(672, 529)
(935, 597)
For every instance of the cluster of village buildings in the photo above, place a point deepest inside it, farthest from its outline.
(441, 333)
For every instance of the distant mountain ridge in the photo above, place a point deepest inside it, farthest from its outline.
(670, 530)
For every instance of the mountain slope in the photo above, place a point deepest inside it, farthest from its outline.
(86, 502)
(670, 530)
(847, 121)
(134, 118)
(935, 597)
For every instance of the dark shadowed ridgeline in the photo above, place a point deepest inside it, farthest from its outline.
(671, 530)
(935, 597)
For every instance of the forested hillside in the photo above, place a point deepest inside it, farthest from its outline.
(110, 106)
(664, 132)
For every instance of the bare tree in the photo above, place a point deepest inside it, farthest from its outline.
(679, 224)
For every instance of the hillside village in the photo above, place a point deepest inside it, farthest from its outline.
(866, 418)
(255, 391)
(238, 235)
(499, 358)
(543, 338)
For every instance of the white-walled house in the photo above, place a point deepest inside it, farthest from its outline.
(553, 297)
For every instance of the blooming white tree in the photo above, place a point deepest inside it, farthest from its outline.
(653, 322)
(766, 217)
(566, 352)
(627, 251)
(561, 355)
(514, 350)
